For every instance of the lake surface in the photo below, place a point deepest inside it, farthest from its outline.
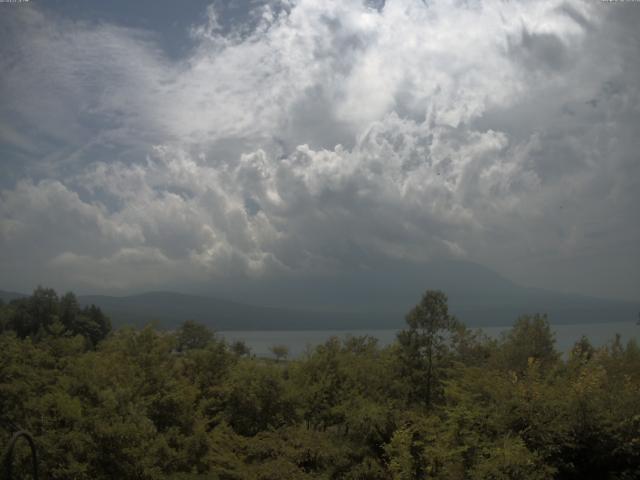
(299, 341)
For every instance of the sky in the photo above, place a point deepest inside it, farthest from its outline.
(176, 145)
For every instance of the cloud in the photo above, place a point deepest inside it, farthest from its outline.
(325, 137)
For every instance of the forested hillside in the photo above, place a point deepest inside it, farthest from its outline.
(443, 402)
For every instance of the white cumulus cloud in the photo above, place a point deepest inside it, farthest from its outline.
(325, 137)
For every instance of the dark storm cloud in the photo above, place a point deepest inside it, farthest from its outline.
(296, 138)
(540, 51)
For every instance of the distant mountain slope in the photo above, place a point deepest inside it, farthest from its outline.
(8, 296)
(477, 295)
(364, 299)
(170, 309)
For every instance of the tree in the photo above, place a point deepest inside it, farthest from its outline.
(43, 306)
(280, 352)
(424, 343)
(510, 458)
(582, 349)
(255, 399)
(44, 314)
(192, 335)
(133, 408)
(472, 347)
(530, 337)
(4, 315)
(69, 310)
(92, 324)
(240, 348)
(32, 316)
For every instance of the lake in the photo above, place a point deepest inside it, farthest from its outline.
(300, 340)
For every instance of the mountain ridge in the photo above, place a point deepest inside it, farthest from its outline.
(365, 299)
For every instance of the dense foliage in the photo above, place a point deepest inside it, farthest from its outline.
(443, 402)
(44, 313)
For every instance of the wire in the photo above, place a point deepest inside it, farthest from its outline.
(8, 456)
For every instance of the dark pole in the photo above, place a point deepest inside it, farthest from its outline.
(8, 456)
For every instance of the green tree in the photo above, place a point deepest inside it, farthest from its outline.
(43, 313)
(192, 335)
(240, 348)
(509, 458)
(530, 338)
(69, 311)
(33, 316)
(320, 382)
(256, 398)
(582, 350)
(134, 407)
(424, 344)
(92, 324)
(281, 352)
(4, 316)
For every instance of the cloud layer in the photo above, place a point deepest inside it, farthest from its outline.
(323, 137)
